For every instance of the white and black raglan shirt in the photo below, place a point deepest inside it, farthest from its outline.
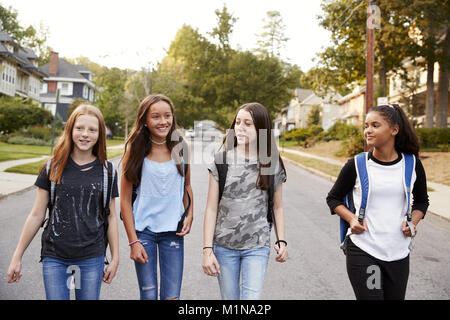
(75, 229)
(387, 204)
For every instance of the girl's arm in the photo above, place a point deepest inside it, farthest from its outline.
(113, 239)
(138, 253)
(210, 265)
(279, 224)
(31, 227)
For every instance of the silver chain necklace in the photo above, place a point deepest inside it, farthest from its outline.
(158, 143)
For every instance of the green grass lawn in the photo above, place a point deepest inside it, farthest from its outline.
(17, 151)
(34, 167)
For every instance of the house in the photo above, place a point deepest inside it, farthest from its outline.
(21, 75)
(414, 90)
(73, 82)
(295, 115)
(351, 107)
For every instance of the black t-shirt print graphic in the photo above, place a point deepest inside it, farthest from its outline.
(75, 229)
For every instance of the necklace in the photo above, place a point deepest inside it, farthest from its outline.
(158, 143)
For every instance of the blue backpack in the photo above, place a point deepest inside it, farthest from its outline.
(361, 169)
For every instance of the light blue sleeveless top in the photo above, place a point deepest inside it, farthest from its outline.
(159, 202)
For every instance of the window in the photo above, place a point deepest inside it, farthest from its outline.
(85, 92)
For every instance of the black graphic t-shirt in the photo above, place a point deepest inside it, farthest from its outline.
(75, 229)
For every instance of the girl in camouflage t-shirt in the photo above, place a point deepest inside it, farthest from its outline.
(236, 228)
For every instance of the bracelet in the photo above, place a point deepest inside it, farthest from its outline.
(207, 248)
(133, 242)
(278, 242)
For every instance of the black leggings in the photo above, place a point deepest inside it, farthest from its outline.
(374, 279)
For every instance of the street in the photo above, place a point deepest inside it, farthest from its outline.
(315, 268)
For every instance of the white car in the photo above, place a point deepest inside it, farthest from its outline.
(190, 133)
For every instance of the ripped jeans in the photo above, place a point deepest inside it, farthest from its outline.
(171, 255)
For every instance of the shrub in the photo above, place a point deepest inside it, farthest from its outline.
(15, 114)
(28, 141)
(341, 131)
(433, 137)
(353, 145)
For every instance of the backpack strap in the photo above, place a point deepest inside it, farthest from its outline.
(52, 183)
(410, 163)
(361, 168)
(220, 160)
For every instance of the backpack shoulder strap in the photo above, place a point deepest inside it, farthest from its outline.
(108, 180)
(361, 169)
(220, 160)
(52, 183)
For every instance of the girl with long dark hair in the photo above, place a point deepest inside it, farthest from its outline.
(156, 162)
(238, 217)
(377, 251)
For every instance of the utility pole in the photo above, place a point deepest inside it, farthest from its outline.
(369, 58)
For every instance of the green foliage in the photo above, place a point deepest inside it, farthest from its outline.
(313, 116)
(28, 141)
(15, 114)
(353, 145)
(433, 137)
(340, 130)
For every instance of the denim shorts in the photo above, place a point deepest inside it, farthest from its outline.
(251, 264)
(85, 276)
(170, 249)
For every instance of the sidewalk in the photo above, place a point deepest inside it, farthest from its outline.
(439, 198)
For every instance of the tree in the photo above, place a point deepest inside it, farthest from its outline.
(224, 28)
(272, 39)
(313, 116)
(345, 60)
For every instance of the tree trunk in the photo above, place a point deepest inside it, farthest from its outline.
(442, 106)
(429, 104)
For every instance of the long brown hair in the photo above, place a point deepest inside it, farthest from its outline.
(138, 144)
(65, 144)
(261, 120)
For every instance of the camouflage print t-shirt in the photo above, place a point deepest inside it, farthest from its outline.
(242, 213)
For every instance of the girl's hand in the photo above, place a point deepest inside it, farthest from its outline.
(138, 253)
(356, 227)
(187, 223)
(14, 271)
(111, 270)
(210, 264)
(407, 230)
(282, 253)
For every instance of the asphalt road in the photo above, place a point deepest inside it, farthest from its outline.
(316, 265)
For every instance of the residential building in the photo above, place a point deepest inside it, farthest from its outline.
(295, 115)
(414, 90)
(351, 106)
(73, 81)
(21, 75)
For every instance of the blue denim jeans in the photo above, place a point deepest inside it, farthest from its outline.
(251, 264)
(170, 248)
(87, 278)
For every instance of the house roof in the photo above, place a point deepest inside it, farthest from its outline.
(302, 94)
(67, 70)
(21, 55)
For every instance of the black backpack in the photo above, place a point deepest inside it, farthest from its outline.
(220, 160)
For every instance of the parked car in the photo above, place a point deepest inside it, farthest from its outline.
(190, 133)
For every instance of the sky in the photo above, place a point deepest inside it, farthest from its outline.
(136, 33)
